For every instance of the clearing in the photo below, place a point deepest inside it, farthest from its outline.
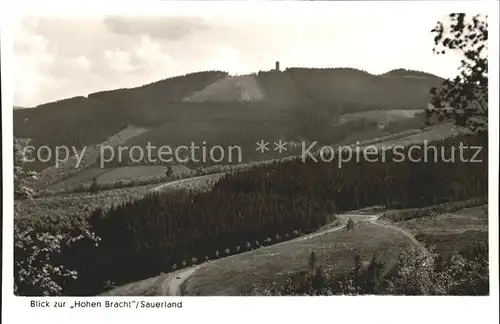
(230, 88)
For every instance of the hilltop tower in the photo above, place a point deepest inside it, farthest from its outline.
(277, 68)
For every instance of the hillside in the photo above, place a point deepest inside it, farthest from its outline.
(298, 103)
(356, 90)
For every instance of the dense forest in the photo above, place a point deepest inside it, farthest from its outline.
(263, 205)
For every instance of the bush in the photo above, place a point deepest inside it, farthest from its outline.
(94, 187)
(350, 224)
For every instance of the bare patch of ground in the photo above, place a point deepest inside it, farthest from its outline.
(230, 88)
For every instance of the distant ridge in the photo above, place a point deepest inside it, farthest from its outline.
(408, 73)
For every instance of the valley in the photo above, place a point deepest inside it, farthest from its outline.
(247, 227)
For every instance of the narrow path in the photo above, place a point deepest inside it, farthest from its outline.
(374, 219)
(181, 181)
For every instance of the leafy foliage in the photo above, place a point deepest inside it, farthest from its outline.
(350, 224)
(38, 270)
(21, 176)
(467, 93)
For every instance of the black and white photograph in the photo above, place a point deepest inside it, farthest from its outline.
(293, 151)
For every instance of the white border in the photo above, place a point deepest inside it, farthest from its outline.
(249, 310)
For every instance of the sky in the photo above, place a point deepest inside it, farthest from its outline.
(58, 56)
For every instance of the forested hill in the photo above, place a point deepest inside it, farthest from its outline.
(282, 97)
(408, 74)
(92, 119)
(349, 88)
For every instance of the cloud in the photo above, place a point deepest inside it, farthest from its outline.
(57, 57)
(169, 28)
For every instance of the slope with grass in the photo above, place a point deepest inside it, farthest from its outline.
(450, 232)
(86, 157)
(428, 134)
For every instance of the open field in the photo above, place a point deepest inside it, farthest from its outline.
(385, 137)
(105, 175)
(140, 171)
(84, 177)
(381, 116)
(450, 232)
(432, 133)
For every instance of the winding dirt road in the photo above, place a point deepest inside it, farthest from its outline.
(171, 286)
